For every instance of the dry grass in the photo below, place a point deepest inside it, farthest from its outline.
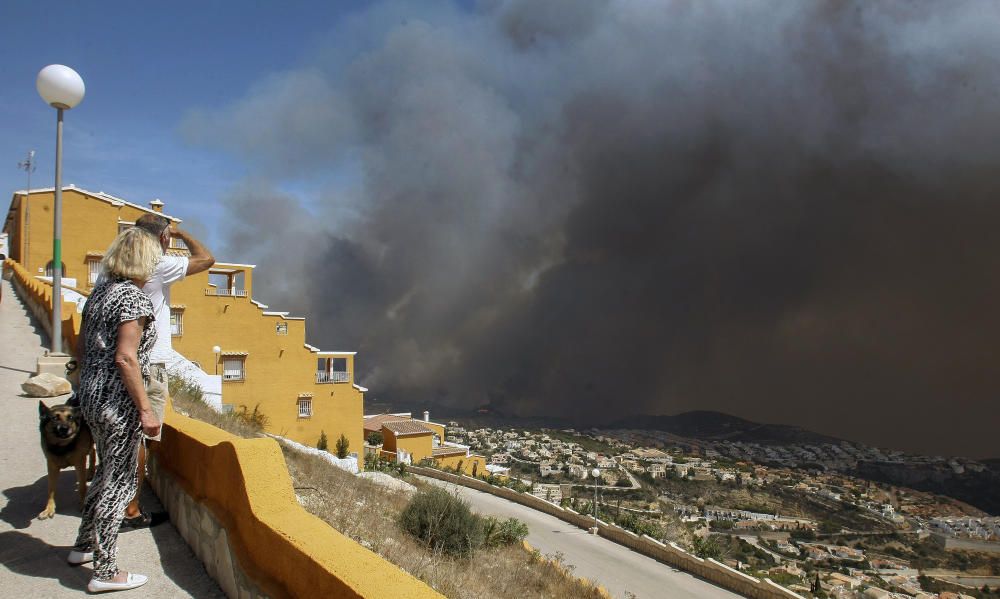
(368, 513)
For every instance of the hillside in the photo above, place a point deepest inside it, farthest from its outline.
(716, 426)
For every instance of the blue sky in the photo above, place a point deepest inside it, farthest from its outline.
(147, 66)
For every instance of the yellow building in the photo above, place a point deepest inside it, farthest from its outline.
(90, 221)
(411, 441)
(263, 359)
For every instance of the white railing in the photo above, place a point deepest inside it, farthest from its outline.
(332, 377)
(226, 292)
(232, 375)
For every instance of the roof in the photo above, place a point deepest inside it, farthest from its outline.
(406, 428)
(374, 423)
(100, 195)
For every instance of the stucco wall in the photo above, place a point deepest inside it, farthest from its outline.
(280, 549)
(88, 225)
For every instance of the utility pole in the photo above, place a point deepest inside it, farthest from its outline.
(27, 165)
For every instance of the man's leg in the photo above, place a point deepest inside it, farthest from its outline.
(156, 391)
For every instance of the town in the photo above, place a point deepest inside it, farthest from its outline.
(772, 511)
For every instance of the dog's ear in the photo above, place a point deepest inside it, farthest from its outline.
(43, 410)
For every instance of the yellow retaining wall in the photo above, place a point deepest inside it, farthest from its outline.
(469, 464)
(37, 295)
(287, 551)
(283, 549)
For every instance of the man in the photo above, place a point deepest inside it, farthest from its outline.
(169, 270)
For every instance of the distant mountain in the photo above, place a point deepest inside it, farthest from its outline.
(716, 426)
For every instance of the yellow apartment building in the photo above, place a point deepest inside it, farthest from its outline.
(261, 356)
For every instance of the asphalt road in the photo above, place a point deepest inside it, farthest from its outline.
(623, 572)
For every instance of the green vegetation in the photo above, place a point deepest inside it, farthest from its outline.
(342, 446)
(322, 443)
(497, 533)
(375, 438)
(445, 524)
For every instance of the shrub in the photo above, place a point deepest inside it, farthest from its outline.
(443, 522)
(342, 445)
(182, 386)
(498, 533)
(322, 443)
(375, 438)
(256, 420)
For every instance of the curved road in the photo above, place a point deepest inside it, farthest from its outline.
(623, 572)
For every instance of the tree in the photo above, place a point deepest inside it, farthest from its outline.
(375, 438)
(342, 445)
(321, 444)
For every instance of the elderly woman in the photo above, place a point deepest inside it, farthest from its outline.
(114, 345)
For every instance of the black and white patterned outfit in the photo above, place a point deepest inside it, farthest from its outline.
(112, 416)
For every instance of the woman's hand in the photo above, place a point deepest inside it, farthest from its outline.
(150, 423)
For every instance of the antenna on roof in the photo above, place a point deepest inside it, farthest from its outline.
(28, 165)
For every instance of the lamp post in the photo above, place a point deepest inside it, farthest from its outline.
(216, 350)
(597, 475)
(62, 88)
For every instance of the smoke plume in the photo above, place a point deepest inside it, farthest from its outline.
(587, 209)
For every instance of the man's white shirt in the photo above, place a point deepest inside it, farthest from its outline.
(169, 270)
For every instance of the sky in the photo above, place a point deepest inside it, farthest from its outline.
(574, 208)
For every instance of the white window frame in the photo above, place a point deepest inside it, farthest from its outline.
(281, 328)
(230, 374)
(93, 270)
(305, 407)
(179, 315)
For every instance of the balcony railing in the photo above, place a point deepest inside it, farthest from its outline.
(332, 377)
(226, 292)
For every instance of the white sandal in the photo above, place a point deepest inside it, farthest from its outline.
(132, 581)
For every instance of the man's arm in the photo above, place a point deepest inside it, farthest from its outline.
(201, 259)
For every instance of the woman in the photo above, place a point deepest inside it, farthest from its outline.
(115, 340)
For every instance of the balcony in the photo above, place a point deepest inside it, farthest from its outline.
(220, 292)
(333, 377)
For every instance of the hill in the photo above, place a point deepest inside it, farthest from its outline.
(716, 426)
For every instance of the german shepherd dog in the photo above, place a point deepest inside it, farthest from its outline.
(66, 441)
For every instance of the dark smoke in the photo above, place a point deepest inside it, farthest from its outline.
(780, 210)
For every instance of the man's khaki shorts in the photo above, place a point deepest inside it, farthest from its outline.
(157, 392)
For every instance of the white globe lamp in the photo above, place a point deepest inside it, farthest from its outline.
(62, 88)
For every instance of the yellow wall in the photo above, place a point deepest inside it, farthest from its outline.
(418, 446)
(88, 225)
(468, 463)
(284, 549)
(437, 428)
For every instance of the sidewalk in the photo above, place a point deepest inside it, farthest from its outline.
(33, 552)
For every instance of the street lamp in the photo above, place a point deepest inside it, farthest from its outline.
(62, 88)
(216, 350)
(597, 475)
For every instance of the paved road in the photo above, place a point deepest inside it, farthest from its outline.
(621, 571)
(33, 552)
